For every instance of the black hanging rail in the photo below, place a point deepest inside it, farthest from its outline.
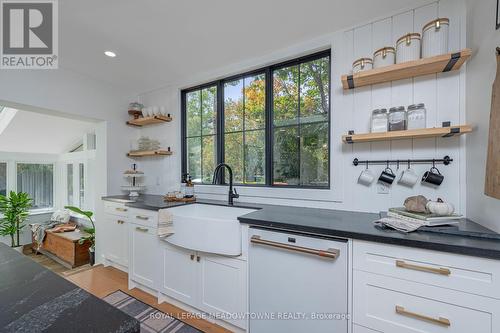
(445, 160)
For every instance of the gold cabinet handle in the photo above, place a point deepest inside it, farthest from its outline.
(439, 321)
(141, 229)
(330, 253)
(192, 257)
(121, 209)
(120, 222)
(140, 217)
(440, 270)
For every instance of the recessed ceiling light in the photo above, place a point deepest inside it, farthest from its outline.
(110, 54)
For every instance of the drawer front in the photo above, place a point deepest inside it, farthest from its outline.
(468, 274)
(391, 305)
(144, 217)
(117, 209)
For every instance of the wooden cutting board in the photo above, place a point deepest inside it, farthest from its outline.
(492, 181)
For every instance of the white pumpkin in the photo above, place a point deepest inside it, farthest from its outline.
(440, 207)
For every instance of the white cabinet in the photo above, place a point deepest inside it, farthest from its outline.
(407, 290)
(144, 253)
(179, 274)
(114, 235)
(223, 286)
(210, 283)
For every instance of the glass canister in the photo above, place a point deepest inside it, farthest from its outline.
(417, 116)
(379, 120)
(397, 118)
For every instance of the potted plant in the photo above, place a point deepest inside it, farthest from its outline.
(15, 210)
(90, 231)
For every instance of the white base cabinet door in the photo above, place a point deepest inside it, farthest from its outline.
(144, 254)
(115, 235)
(179, 278)
(223, 288)
(210, 283)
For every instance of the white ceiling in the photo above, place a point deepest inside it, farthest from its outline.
(162, 42)
(30, 132)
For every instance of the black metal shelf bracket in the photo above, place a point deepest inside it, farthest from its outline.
(445, 161)
(453, 60)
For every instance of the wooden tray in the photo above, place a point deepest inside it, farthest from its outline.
(170, 199)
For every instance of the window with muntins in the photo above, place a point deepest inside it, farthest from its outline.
(271, 126)
(38, 181)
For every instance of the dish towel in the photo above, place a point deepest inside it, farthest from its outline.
(398, 224)
(165, 223)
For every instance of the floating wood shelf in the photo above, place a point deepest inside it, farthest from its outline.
(146, 153)
(408, 134)
(149, 120)
(438, 64)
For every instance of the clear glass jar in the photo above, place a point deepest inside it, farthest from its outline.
(417, 116)
(379, 120)
(397, 118)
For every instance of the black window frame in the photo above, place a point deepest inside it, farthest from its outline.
(269, 133)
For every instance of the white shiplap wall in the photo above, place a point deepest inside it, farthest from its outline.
(443, 95)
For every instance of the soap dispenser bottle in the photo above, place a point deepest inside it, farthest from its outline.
(183, 185)
(189, 188)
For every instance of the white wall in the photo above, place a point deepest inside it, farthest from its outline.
(443, 94)
(481, 69)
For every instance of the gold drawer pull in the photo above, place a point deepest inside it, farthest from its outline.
(120, 222)
(439, 321)
(140, 217)
(440, 270)
(142, 229)
(329, 253)
(121, 209)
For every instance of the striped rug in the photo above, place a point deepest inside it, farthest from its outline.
(152, 320)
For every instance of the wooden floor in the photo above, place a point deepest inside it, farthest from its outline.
(102, 281)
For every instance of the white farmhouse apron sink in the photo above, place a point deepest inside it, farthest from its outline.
(208, 228)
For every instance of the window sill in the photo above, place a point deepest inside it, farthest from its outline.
(41, 211)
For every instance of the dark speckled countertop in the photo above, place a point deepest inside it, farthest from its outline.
(356, 225)
(34, 299)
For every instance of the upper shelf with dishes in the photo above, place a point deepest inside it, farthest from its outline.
(414, 55)
(143, 116)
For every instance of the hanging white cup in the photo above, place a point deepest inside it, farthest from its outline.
(409, 178)
(366, 177)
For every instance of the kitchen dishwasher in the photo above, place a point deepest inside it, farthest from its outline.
(297, 283)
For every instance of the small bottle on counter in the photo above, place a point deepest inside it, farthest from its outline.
(189, 188)
(183, 185)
